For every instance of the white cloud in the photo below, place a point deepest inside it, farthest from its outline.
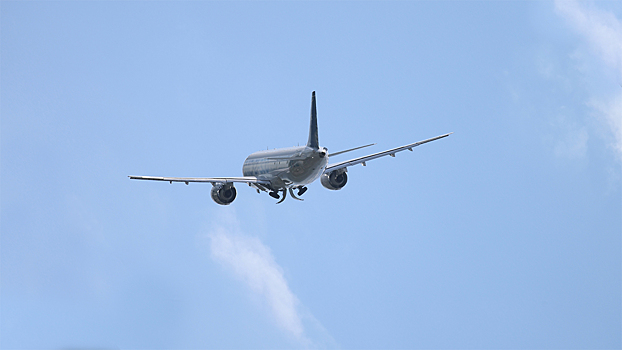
(252, 262)
(603, 32)
(601, 29)
(572, 143)
(611, 112)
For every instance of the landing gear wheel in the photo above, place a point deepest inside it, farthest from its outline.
(284, 196)
(302, 190)
(291, 191)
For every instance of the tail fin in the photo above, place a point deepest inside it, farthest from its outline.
(313, 137)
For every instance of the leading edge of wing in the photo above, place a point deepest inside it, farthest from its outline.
(212, 180)
(390, 152)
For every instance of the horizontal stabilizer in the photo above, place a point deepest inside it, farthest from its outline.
(349, 150)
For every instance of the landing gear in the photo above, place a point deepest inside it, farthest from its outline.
(275, 193)
(284, 196)
(291, 191)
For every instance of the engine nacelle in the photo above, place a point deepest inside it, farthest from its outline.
(335, 180)
(223, 194)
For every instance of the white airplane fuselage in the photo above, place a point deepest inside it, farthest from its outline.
(287, 167)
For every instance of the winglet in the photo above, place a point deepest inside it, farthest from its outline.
(313, 134)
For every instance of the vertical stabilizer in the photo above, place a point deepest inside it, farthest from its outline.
(313, 138)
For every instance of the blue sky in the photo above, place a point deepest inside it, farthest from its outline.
(507, 234)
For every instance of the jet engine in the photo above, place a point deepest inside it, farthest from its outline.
(335, 180)
(223, 193)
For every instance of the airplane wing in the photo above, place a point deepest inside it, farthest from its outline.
(391, 152)
(212, 180)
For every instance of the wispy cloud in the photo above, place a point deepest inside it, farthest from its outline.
(571, 142)
(253, 263)
(603, 32)
(601, 29)
(611, 111)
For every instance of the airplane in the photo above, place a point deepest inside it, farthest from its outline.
(288, 169)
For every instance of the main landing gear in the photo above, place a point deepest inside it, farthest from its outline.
(275, 194)
(301, 190)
